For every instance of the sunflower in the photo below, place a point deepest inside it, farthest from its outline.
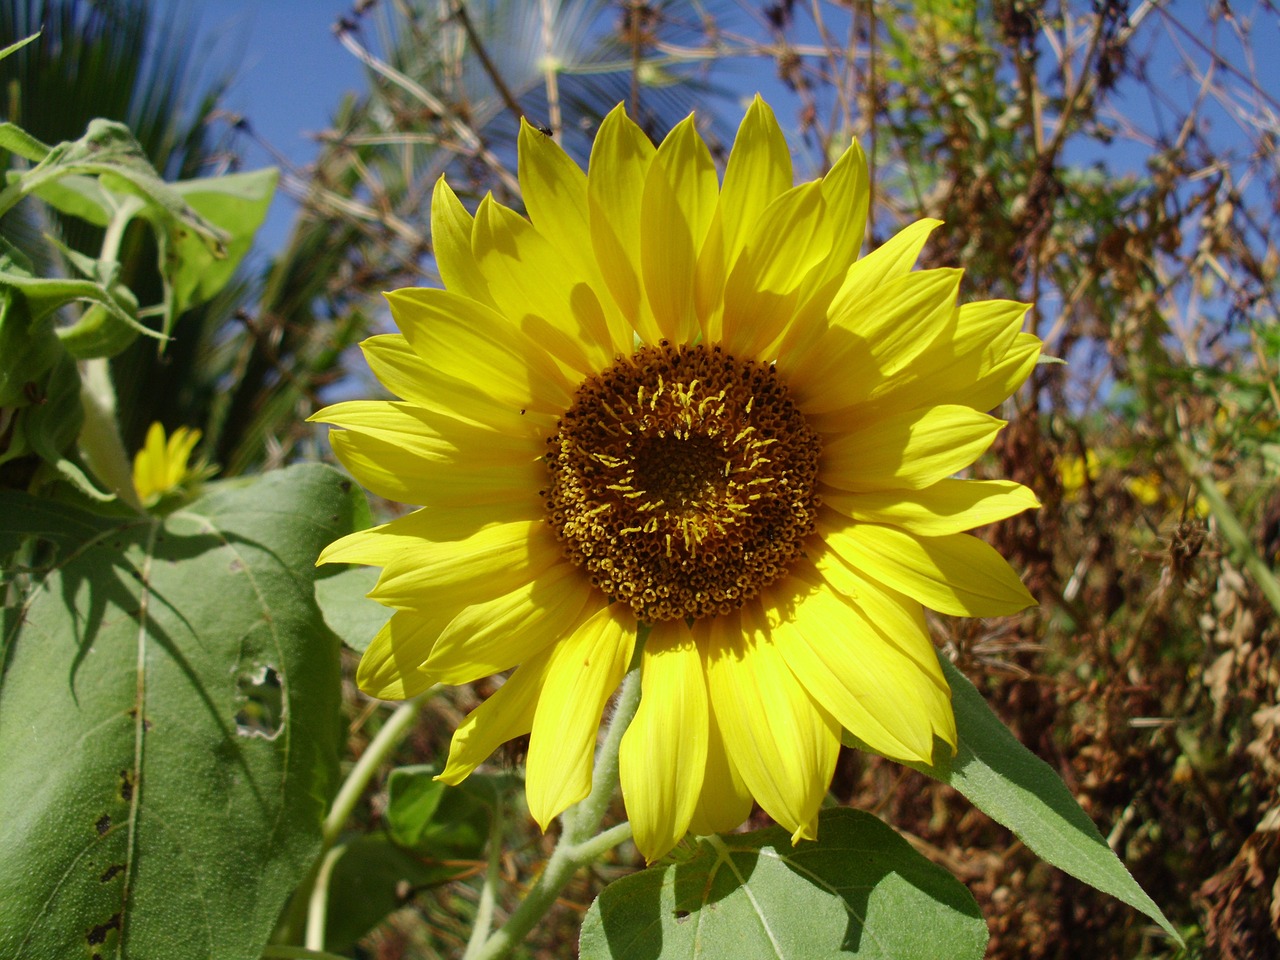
(669, 413)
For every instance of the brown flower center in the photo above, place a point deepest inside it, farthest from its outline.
(682, 480)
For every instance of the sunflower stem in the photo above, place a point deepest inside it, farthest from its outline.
(488, 891)
(595, 847)
(578, 844)
(380, 748)
(318, 901)
(296, 924)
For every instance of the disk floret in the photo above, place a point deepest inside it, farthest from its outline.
(682, 480)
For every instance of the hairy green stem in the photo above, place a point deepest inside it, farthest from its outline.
(595, 847)
(578, 844)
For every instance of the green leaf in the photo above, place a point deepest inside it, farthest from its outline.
(44, 295)
(18, 45)
(76, 195)
(347, 610)
(203, 227)
(28, 349)
(16, 140)
(860, 890)
(447, 823)
(236, 204)
(1014, 787)
(169, 727)
(51, 426)
(109, 151)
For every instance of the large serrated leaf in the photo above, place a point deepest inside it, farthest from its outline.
(1014, 787)
(860, 890)
(168, 720)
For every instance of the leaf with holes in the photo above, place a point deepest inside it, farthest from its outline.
(860, 890)
(168, 719)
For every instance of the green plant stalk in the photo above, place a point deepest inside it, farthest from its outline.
(488, 891)
(296, 924)
(99, 439)
(380, 748)
(100, 442)
(578, 844)
(318, 902)
(1229, 525)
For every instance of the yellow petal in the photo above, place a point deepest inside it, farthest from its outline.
(847, 193)
(391, 667)
(899, 618)
(663, 755)
(533, 286)
(680, 196)
(792, 237)
(758, 172)
(423, 566)
(999, 382)
(407, 453)
(451, 227)
(472, 344)
(507, 714)
(556, 195)
(427, 432)
(441, 480)
(957, 574)
(948, 506)
(868, 343)
(585, 669)
(891, 260)
(494, 635)
(958, 356)
(149, 471)
(554, 190)
(782, 743)
(178, 452)
(725, 800)
(912, 449)
(868, 685)
(709, 280)
(620, 161)
(907, 316)
(399, 368)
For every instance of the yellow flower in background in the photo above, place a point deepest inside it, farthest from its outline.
(1146, 488)
(664, 401)
(162, 466)
(1073, 471)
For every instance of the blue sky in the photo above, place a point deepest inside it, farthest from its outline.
(290, 74)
